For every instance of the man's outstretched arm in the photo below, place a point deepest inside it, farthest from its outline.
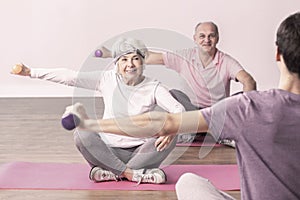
(145, 125)
(152, 58)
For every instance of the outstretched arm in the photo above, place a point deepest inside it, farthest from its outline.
(21, 69)
(247, 80)
(105, 52)
(154, 58)
(145, 125)
(87, 80)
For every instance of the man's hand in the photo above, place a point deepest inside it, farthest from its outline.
(78, 110)
(106, 53)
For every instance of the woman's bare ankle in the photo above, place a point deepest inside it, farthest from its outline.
(128, 173)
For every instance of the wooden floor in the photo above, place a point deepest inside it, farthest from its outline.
(31, 131)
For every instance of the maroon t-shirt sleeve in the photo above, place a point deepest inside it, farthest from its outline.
(227, 117)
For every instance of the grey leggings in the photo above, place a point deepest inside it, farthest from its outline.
(97, 153)
(182, 98)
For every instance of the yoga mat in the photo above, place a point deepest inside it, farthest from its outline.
(74, 176)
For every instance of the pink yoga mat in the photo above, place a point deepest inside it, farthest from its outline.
(61, 176)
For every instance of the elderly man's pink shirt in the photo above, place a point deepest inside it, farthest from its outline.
(208, 85)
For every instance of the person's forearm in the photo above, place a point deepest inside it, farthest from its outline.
(154, 58)
(249, 85)
(247, 80)
(145, 125)
(149, 124)
(106, 53)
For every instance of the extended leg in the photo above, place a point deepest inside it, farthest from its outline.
(193, 187)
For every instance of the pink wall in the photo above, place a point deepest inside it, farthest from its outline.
(56, 33)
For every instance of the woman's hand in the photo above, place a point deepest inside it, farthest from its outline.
(163, 142)
(20, 69)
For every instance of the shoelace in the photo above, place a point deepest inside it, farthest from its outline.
(140, 179)
(139, 176)
(146, 178)
(107, 175)
(110, 176)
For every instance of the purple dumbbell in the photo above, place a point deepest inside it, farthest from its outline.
(98, 53)
(70, 122)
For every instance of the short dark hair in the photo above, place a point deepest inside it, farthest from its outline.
(288, 42)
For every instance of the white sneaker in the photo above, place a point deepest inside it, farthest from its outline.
(186, 138)
(155, 175)
(98, 174)
(227, 142)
